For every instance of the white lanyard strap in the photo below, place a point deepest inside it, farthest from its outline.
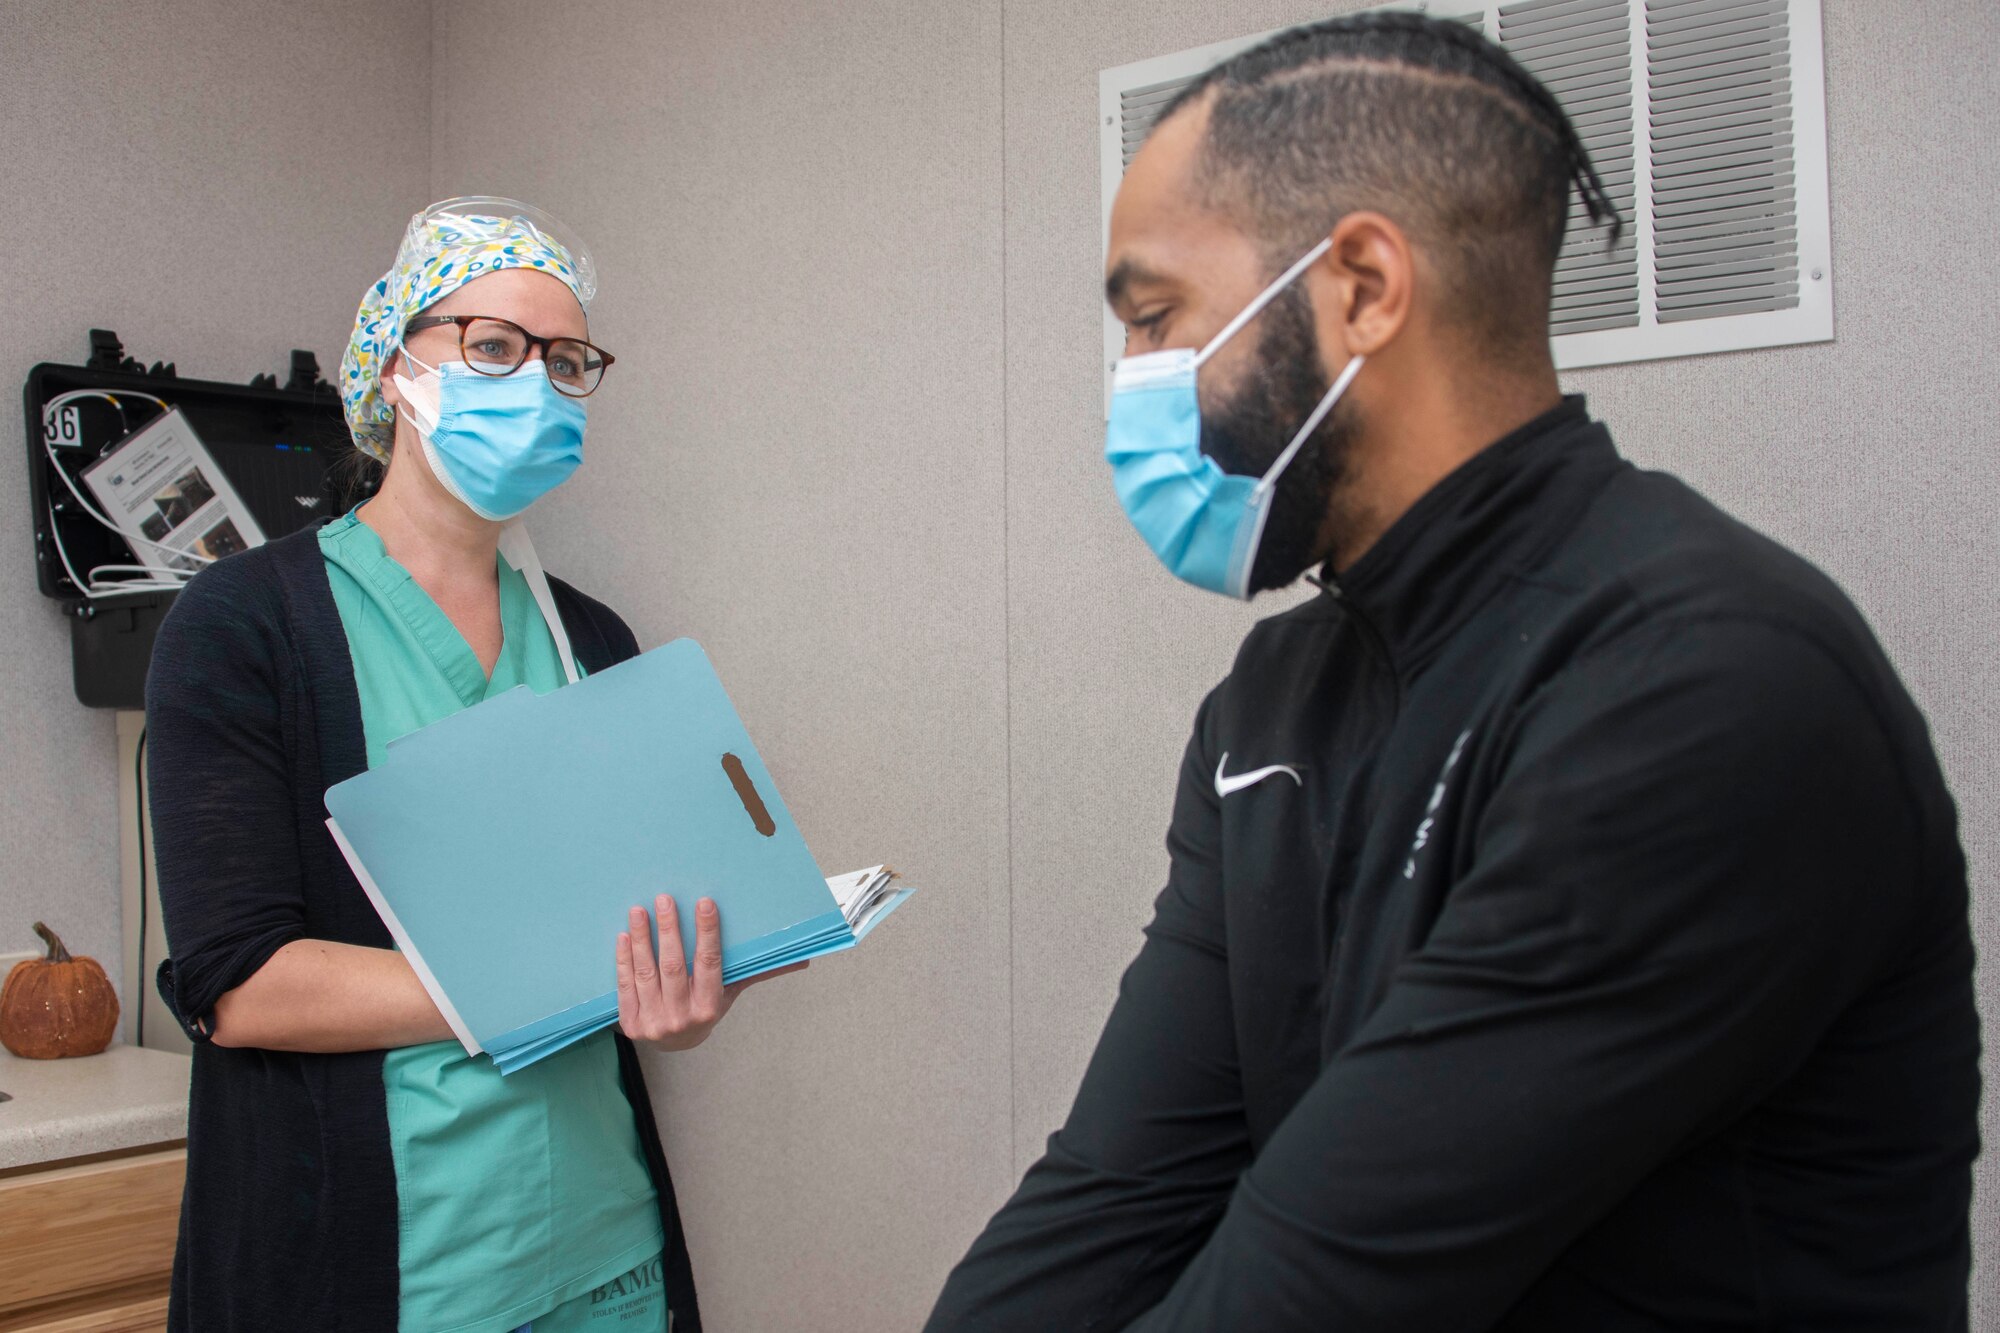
(520, 553)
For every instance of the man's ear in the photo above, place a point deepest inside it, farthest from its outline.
(1363, 287)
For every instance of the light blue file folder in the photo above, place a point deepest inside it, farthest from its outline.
(504, 846)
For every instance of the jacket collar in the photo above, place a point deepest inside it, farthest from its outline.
(1492, 516)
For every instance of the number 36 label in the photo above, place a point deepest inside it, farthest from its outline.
(63, 427)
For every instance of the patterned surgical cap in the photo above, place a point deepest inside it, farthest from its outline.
(447, 245)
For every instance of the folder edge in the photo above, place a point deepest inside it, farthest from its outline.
(403, 941)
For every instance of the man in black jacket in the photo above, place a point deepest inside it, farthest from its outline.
(1566, 922)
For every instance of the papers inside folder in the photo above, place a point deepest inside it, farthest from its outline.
(503, 847)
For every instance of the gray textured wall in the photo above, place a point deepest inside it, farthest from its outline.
(851, 255)
(218, 188)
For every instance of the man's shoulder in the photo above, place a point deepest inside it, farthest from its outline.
(1653, 554)
(1661, 588)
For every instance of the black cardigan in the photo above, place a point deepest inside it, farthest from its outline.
(289, 1219)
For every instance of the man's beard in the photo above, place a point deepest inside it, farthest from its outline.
(1245, 433)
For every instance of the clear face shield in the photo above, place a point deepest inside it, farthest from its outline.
(452, 222)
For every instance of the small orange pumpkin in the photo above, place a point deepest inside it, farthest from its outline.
(56, 1006)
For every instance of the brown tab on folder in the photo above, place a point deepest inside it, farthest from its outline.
(746, 792)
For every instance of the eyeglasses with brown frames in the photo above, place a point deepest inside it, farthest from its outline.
(493, 346)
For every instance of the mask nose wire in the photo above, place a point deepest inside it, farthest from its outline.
(1264, 298)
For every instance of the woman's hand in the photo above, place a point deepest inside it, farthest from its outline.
(658, 1002)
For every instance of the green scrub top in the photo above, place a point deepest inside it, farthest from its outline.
(515, 1195)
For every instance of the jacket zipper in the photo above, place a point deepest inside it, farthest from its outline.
(1332, 893)
(1377, 645)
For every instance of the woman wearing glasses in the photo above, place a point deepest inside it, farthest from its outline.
(349, 1166)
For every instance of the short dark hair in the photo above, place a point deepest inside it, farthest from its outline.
(1422, 120)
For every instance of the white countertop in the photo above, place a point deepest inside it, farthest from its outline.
(128, 1097)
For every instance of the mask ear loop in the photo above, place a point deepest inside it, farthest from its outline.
(1264, 298)
(423, 414)
(1259, 510)
(1270, 478)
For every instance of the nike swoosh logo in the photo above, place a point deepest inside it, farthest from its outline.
(1224, 784)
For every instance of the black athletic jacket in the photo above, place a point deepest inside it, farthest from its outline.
(289, 1220)
(1598, 959)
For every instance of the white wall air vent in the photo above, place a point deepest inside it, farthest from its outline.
(1707, 121)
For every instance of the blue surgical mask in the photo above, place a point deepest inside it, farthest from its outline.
(496, 442)
(1203, 523)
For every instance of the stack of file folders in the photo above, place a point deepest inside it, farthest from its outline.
(505, 845)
